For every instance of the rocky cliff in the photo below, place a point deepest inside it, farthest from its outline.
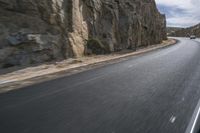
(186, 32)
(35, 31)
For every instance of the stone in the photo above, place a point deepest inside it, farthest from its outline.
(17, 38)
(4, 53)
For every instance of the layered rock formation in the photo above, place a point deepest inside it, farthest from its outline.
(186, 32)
(34, 31)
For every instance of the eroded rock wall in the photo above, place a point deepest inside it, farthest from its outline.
(35, 31)
(121, 24)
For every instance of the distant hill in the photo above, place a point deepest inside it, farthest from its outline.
(171, 30)
(185, 32)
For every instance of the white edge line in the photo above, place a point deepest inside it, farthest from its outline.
(193, 121)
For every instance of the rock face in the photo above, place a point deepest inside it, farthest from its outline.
(35, 31)
(186, 32)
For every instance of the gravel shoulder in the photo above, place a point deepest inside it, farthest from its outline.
(10, 80)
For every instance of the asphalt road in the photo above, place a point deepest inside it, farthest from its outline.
(156, 92)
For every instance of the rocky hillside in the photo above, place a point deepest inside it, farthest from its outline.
(186, 32)
(171, 30)
(35, 31)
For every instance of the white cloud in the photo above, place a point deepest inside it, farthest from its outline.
(183, 13)
(177, 3)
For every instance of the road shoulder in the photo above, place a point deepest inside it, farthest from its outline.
(44, 72)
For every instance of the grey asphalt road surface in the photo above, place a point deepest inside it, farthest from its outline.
(156, 92)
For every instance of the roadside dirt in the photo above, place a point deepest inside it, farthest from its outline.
(11, 79)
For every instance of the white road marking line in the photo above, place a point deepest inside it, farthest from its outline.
(193, 122)
(172, 119)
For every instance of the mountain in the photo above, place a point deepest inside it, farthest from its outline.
(35, 31)
(171, 30)
(186, 32)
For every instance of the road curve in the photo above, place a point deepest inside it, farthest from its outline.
(156, 92)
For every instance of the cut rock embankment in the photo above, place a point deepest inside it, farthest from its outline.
(44, 72)
(38, 31)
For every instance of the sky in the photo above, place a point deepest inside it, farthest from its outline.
(180, 13)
